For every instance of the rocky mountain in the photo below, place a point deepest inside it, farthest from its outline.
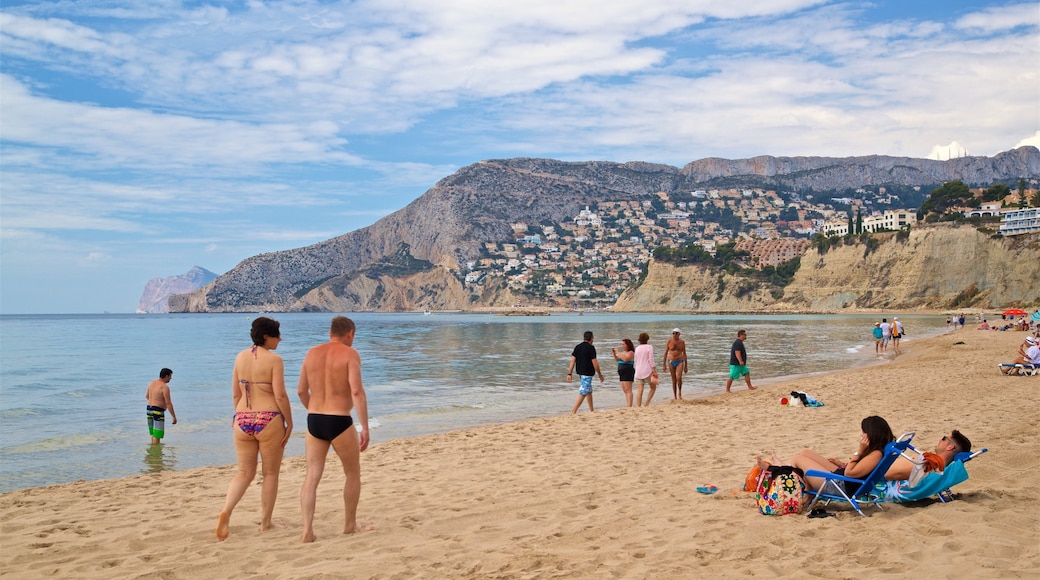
(448, 225)
(937, 266)
(157, 291)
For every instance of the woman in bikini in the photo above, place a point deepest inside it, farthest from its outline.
(262, 423)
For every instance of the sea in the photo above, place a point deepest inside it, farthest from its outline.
(72, 387)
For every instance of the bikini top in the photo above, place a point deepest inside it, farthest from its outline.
(245, 384)
(626, 362)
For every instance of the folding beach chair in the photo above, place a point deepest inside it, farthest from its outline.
(936, 483)
(833, 488)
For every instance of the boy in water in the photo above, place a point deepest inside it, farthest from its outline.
(158, 397)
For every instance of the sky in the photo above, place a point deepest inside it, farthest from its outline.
(139, 139)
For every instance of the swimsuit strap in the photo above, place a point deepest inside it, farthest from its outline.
(253, 350)
(245, 387)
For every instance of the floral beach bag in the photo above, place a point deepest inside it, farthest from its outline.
(781, 490)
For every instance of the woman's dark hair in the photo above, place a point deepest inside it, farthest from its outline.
(628, 344)
(644, 338)
(878, 433)
(264, 326)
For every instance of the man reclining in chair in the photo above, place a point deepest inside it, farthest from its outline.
(947, 448)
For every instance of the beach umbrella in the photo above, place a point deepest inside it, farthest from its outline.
(1014, 312)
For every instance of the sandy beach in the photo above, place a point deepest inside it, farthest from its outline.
(604, 495)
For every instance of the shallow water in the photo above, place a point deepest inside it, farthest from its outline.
(72, 386)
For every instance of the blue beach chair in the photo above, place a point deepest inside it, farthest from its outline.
(833, 488)
(936, 483)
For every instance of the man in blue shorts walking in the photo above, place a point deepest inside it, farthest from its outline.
(583, 361)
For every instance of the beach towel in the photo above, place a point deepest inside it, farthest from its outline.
(929, 485)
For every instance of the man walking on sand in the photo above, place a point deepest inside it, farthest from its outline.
(738, 362)
(159, 401)
(675, 362)
(330, 387)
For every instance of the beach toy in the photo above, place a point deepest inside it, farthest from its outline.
(707, 488)
(784, 401)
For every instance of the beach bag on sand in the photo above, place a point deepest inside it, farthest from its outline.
(781, 490)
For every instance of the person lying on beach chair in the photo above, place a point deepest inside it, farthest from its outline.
(946, 449)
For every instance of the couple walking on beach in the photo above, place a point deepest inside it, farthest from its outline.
(636, 365)
(329, 388)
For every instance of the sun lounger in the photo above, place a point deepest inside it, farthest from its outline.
(1020, 370)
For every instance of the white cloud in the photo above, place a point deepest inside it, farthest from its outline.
(1033, 140)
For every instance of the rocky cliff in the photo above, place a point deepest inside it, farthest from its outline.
(940, 266)
(448, 225)
(158, 290)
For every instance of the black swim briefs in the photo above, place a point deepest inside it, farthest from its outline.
(328, 427)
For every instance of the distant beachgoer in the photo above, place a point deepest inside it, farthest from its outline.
(738, 362)
(886, 333)
(583, 361)
(948, 321)
(330, 388)
(262, 423)
(159, 401)
(878, 336)
(626, 367)
(897, 332)
(646, 369)
(961, 320)
(675, 361)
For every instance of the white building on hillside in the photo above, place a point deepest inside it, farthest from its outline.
(1020, 221)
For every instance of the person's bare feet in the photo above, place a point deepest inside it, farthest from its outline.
(222, 526)
(357, 528)
(750, 388)
(308, 537)
(268, 526)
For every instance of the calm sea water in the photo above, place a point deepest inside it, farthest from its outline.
(72, 386)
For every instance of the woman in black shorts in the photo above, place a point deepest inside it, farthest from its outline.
(626, 367)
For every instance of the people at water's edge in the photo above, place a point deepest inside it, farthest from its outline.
(626, 367)
(158, 397)
(262, 423)
(738, 362)
(583, 362)
(330, 388)
(675, 361)
(878, 336)
(646, 369)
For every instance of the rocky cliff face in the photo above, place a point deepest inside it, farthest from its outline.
(937, 267)
(158, 290)
(449, 224)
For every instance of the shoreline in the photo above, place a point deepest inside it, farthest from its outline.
(595, 495)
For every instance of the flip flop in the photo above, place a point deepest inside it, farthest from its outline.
(707, 488)
(820, 513)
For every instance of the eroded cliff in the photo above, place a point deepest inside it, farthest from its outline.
(936, 267)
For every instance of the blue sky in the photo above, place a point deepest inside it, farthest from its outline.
(142, 138)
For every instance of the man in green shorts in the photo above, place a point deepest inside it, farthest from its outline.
(159, 401)
(738, 362)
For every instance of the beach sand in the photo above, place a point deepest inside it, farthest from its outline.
(604, 495)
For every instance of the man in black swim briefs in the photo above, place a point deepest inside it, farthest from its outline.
(330, 388)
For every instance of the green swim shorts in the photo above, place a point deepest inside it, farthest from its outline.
(737, 371)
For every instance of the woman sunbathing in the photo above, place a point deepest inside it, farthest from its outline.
(876, 434)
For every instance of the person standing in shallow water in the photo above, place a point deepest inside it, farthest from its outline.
(738, 362)
(159, 401)
(262, 423)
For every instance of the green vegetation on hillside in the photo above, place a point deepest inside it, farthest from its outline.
(397, 265)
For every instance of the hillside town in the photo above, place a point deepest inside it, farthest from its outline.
(590, 260)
